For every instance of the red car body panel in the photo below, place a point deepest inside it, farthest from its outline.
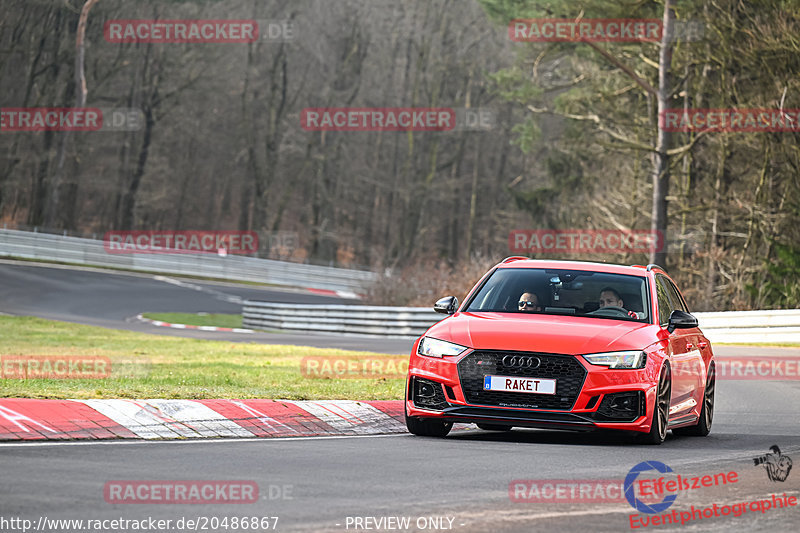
(687, 351)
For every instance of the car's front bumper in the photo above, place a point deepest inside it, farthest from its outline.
(591, 407)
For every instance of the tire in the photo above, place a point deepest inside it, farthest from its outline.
(427, 427)
(660, 419)
(494, 427)
(703, 426)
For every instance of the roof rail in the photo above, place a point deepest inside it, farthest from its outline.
(651, 266)
(513, 258)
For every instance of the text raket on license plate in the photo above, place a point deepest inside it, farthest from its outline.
(517, 384)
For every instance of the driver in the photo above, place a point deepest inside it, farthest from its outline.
(609, 297)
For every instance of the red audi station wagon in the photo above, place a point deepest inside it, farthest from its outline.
(564, 345)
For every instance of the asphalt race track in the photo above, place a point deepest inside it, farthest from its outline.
(315, 484)
(112, 300)
(465, 477)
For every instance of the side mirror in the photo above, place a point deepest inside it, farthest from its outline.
(681, 319)
(446, 305)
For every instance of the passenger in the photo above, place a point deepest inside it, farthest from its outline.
(529, 302)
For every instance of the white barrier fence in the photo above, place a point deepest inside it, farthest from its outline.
(779, 325)
(399, 322)
(45, 246)
(411, 322)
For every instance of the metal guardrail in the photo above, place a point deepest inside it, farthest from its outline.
(411, 322)
(405, 322)
(779, 325)
(49, 247)
(398, 322)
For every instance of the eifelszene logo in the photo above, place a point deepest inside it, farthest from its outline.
(636, 503)
(777, 465)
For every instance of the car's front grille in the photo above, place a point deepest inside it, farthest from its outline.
(565, 369)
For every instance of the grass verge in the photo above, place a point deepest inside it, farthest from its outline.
(155, 366)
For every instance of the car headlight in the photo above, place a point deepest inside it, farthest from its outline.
(630, 359)
(436, 348)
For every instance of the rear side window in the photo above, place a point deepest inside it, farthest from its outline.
(664, 305)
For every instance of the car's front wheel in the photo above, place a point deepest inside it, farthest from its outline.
(427, 427)
(703, 426)
(660, 418)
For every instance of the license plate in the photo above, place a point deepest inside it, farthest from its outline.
(515, 384)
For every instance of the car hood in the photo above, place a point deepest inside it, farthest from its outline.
(543, 333)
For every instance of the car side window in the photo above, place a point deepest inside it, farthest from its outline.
(664, 305)
(675, 296)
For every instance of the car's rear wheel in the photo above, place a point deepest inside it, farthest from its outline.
(494, 427)
(703, 426)
(660, 418)
(427, 427)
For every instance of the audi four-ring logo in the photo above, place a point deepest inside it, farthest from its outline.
(521, 361)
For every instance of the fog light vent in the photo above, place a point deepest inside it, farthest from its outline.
(428, 394)
(621, 407)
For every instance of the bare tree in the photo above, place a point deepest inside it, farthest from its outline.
(54, 197)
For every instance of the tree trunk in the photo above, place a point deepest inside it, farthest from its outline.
(473, 198)
(660, 175)
(126, 217)
(54, 198)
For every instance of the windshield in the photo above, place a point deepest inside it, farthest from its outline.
(564, 292)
